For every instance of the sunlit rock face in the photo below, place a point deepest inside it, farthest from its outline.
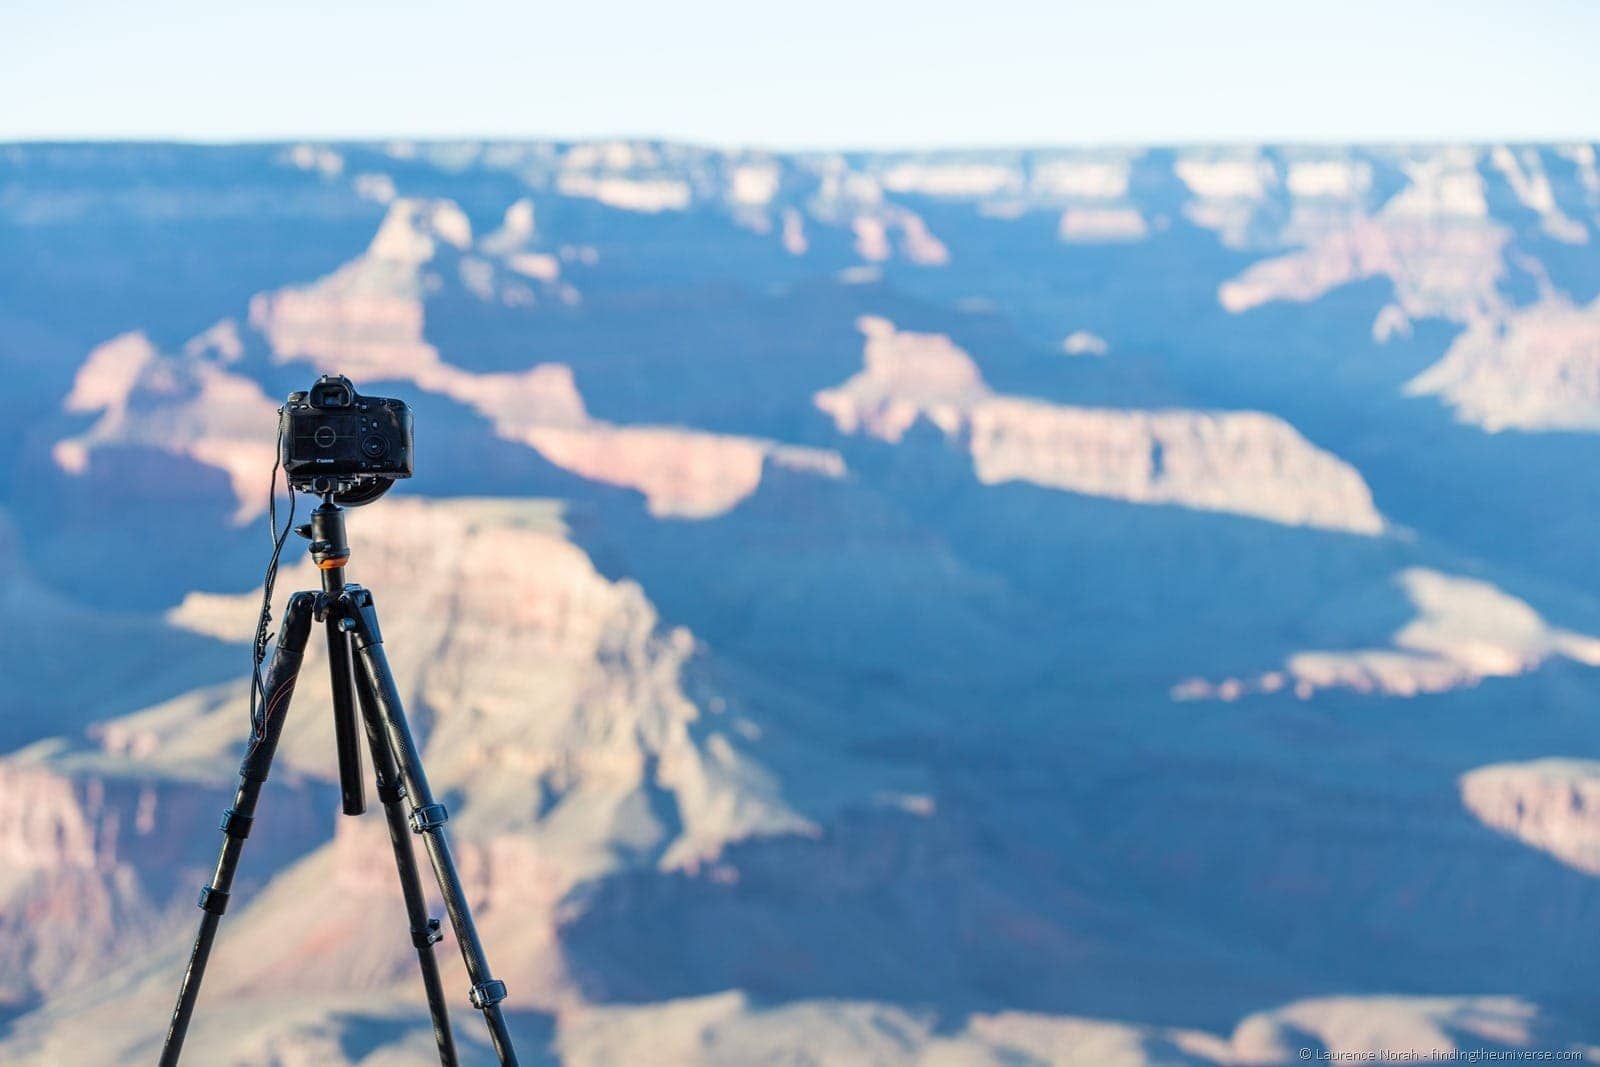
(368, 315)
(555, 721)
(1396, 1026)
(367, 320)
(1537, 370)
(727, 1029)
(975, 179)
(907, 376)
(189, 404)
(1440, 267)
(882, 235)
(69, 899)
(1440, 245)
(1526, 173)
(630, 194)
(1230, 191)
(1463, 631)
(1247, 463)
(541, 676)
(1433, 240)
(1552, 805)
(100, 862)
(630, 177)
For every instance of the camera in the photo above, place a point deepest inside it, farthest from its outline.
(331, 439)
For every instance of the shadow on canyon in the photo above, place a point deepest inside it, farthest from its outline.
(1174, 888)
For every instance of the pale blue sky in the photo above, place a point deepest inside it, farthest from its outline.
(825, 73)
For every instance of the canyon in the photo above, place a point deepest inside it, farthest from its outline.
(1116, 606)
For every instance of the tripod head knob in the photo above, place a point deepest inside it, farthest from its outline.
(329, 549)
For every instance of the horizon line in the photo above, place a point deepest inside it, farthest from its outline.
(1153, 144)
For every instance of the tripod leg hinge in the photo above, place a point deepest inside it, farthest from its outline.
(428, 817)
(213, 900)
(431, 936)
(488, 993)
(236, 825)
(390, 792)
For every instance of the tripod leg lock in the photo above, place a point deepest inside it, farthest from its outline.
(356, 603)
(431, 936)
(487, 994)
(236, 825)
(428, 817)
(390, 792)
(213, 900)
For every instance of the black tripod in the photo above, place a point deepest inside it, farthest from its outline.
(352, 625)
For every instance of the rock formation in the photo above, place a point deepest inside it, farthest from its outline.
(1247, 463)
(1463, 631)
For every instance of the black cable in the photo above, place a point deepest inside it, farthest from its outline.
(258, 651)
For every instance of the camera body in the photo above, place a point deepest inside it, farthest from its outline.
(333, 439)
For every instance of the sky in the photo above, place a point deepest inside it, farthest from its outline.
(818, 74)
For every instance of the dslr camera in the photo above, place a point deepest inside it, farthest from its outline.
(332, 439)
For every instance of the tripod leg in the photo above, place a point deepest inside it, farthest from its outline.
(346, 735)
(427, 816)
(346, 739)
(279, 685)
(424, 931)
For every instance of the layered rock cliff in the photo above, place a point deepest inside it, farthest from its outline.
(1537, 369)
(1463, 631)
(1247, 463)
(1552, 805)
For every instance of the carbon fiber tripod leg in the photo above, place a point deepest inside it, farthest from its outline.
(424, 931)
(279, 686)
(427, 815)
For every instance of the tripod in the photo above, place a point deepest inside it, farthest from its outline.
(351, 621)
